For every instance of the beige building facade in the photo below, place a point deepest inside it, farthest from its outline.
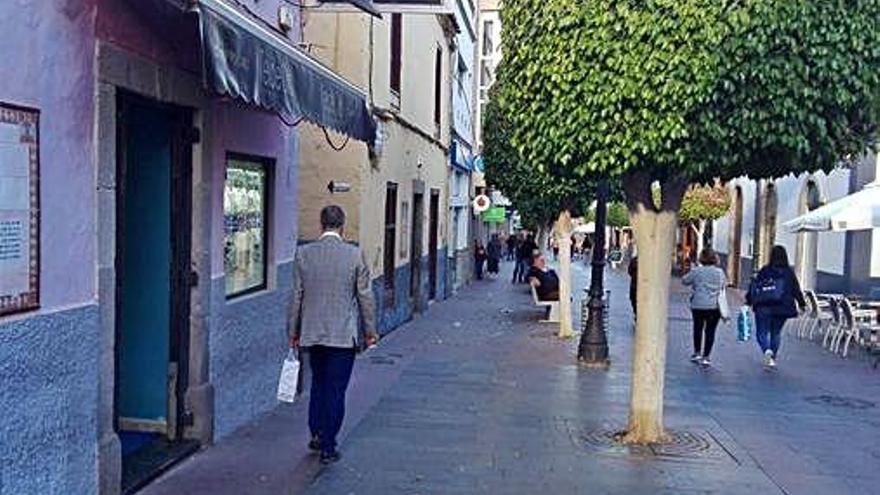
(395, 192)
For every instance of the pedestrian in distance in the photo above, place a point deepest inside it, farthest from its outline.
(707, 282)
(493, 255)
(479, 259)
(633, 271)
(524, 259)
(512, 244)
(774, 296)
(331, 290)
(587, 249)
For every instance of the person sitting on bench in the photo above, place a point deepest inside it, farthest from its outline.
(544, 279)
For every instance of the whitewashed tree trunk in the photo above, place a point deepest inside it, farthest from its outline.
(563, 239)
(700, 230)
(655, 229)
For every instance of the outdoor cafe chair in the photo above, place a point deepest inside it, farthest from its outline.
(805, 318)
(819, 317)
(835, 325)
(853, 319)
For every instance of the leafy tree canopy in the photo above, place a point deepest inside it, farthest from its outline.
(701, 202)
(705, 203)
(618, 215)
(536, 194)
(692, 88)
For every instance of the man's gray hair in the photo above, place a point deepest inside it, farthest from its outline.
(332, 217)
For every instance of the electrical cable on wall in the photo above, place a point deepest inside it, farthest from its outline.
(335, 147)
(290, 124)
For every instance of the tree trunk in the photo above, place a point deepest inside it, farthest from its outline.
(701, 236)
(655, 230)
(563, 240)
(699, 227)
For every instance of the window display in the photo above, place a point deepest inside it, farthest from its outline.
(245, 223)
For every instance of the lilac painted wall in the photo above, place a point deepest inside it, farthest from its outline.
(47, 63)
(242, 130)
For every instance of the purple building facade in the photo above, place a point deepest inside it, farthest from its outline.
(167, 229)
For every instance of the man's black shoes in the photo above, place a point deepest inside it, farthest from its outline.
(315, 444)
(330, 457)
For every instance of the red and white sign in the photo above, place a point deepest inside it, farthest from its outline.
(482, 203)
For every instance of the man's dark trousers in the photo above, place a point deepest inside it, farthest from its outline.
(331, 370)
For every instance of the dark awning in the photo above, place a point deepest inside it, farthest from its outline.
(244, 60)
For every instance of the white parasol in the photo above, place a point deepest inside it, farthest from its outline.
(858, 211)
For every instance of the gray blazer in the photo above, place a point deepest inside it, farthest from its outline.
(331, 282)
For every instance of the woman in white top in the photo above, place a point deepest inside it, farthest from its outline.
(708, 282)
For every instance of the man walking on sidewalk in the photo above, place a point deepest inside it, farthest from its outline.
(331, 288)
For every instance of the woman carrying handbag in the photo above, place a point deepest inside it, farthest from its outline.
(708, 303)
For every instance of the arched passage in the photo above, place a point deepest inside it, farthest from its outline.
(807, 256)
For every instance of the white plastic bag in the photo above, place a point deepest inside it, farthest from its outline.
(289, 377)
(723, 307)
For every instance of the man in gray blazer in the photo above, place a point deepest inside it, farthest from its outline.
(331, 290)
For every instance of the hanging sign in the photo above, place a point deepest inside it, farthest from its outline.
(495, 214)
(19, 209)
(481, 203)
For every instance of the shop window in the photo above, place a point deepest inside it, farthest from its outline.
(245, 223)
(488, 38)
(390, 241)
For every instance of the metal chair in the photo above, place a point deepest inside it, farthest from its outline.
(835, 324)
(820, 314)
(850, 328)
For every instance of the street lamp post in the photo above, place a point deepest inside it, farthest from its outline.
(593, 347)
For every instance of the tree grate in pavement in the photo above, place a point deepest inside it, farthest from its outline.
(683, 445)
(840, 401)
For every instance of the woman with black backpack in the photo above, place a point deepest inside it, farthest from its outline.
(774, 296)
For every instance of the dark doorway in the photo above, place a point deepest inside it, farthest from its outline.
(735, 251)
(433, 232)
(415, 252)
(153, 225)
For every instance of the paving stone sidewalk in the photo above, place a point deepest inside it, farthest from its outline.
(476, 396)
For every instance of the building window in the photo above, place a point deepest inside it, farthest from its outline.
(488, 38)
(438, 89)
(396, 51)
(245, 223)
(390, 237)
(486, 74)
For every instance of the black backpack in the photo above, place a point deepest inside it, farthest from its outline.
(768, 288)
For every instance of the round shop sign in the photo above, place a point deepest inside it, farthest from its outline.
(482, 203)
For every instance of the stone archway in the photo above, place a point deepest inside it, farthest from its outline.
(807, 254)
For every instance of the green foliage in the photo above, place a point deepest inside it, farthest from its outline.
(701, 202)
(705, 203)
(618, 215)
(694, 89)
(536, 194)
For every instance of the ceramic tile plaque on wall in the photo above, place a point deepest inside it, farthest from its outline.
(19, 209)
